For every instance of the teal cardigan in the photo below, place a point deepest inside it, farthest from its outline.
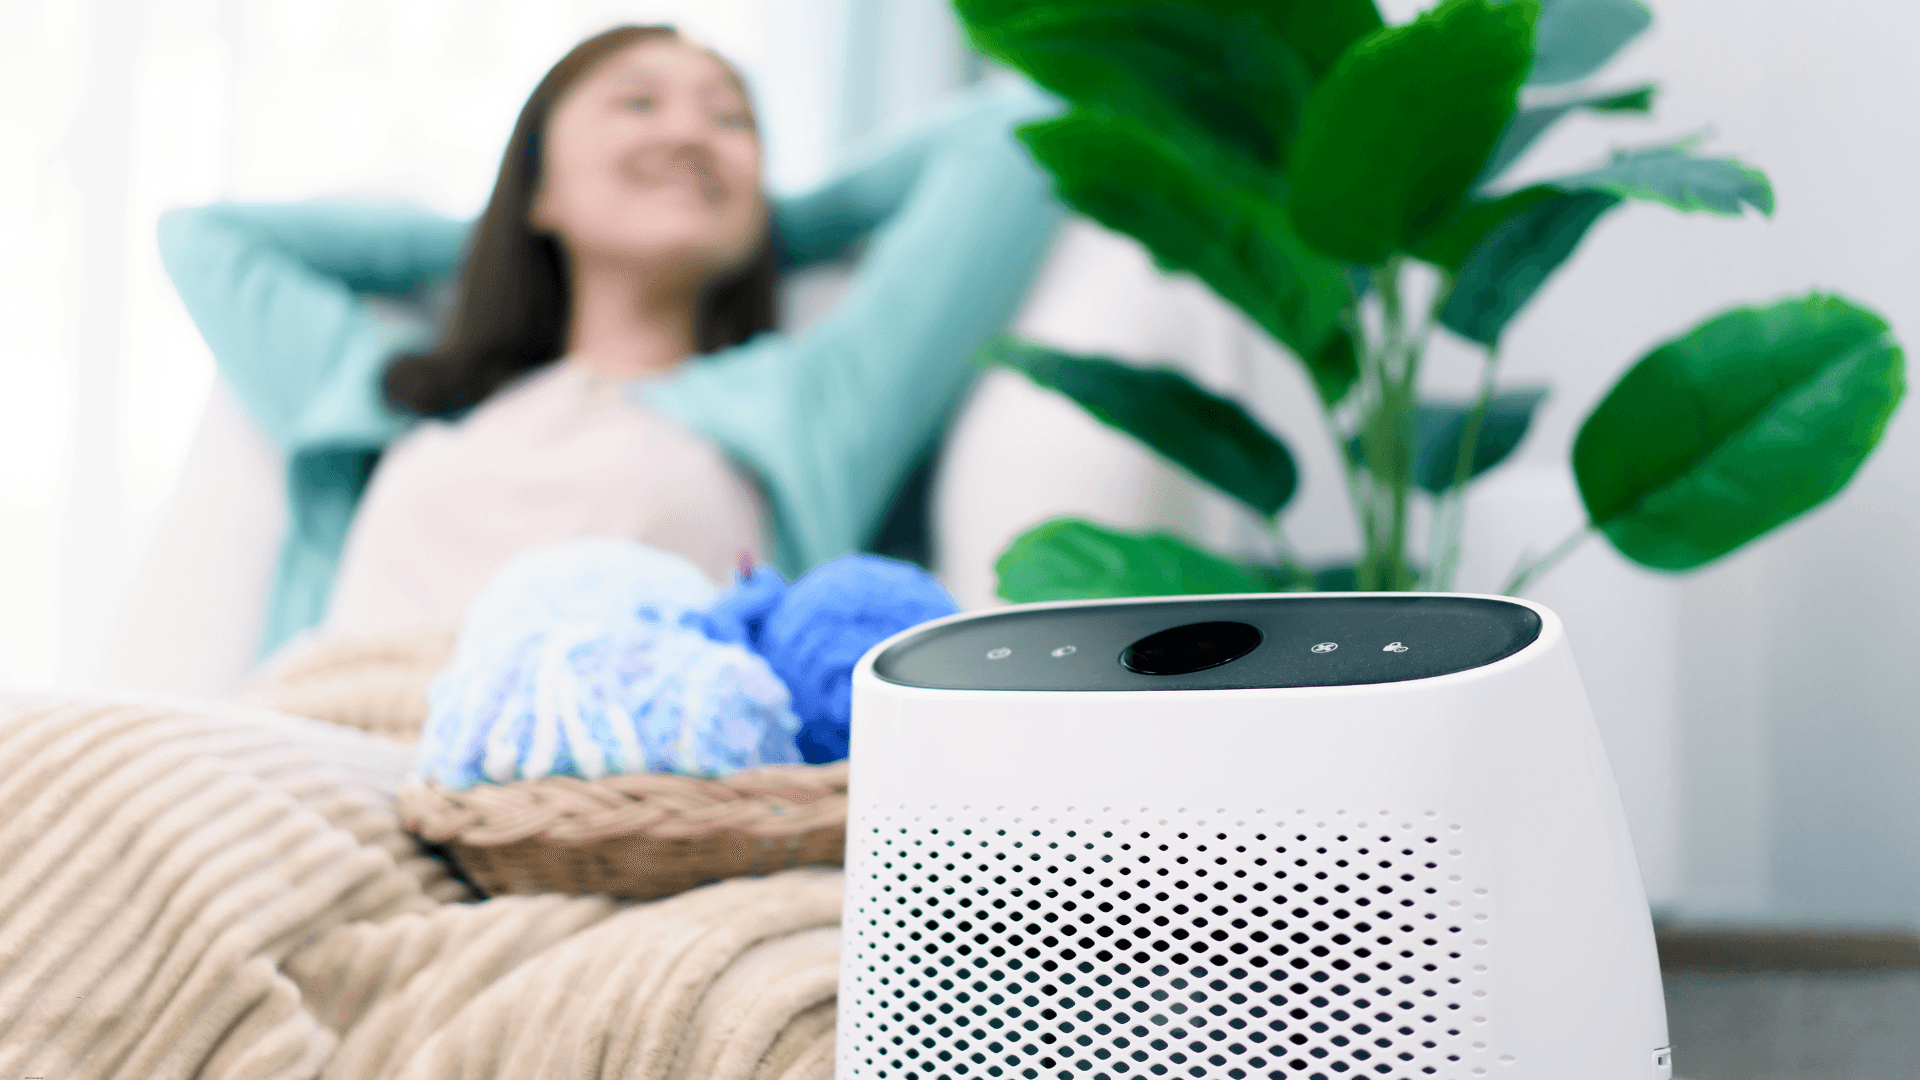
(829, 420)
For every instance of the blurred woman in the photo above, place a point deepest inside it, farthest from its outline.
(609, 367)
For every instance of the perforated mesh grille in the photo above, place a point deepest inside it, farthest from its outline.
(1038, 945)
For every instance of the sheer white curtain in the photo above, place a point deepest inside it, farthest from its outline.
(115, 110)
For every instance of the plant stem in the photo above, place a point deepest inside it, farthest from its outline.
(1415, 353)
(1356, 329)
(1400, 416)
(1388, 440)
(1406, 410)
(1283, 552)
(1450, 515)
(1476, 420)
(1525, 573)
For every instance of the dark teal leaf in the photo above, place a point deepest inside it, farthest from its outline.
(1636, 100)
(1336, 579)
(1336, 367)
(1751, 419)
(1501, 250)
(1574, 38)
(1207, 435)
(1125, 177)
(1674, 176)
(1510, 264)
(1440, 427)
(1346, 578)
(1532, 121)
(1448, 246)
(1395, 136)
(1072, 559)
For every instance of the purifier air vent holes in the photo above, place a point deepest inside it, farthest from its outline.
(1020, 947)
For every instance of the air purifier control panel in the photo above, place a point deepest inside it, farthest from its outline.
(1202, 644)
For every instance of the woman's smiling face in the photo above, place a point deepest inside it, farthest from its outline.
(652, 160)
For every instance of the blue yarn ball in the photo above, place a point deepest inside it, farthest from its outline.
(826, 621)
(740, 616)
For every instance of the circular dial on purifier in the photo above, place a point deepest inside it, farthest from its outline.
(1183, 650)
(1202, 644)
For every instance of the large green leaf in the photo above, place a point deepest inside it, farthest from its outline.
(1674, 176)
(1532, 121)
(1575, 37)
(1219, 85)
(1207, 435)
(1318, 30)
(1072, 559)
(1394, 138)
(1507, 267)
(1751, 419)
(1124, 176)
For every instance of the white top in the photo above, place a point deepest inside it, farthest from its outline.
(561, 453)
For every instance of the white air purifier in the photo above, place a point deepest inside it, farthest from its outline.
(1285, 837)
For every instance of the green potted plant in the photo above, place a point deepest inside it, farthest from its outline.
(1308, 163)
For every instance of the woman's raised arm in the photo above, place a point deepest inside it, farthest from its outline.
(273, 290)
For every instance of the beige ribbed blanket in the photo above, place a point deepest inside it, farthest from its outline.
(374, 682)
(217, 891)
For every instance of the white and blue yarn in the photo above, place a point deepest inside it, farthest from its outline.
(586, 658)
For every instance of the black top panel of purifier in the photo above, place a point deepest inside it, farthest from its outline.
(1202, 644)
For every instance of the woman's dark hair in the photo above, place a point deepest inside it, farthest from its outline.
(515, 298)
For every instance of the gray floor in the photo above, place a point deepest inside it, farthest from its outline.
(1795, 1027)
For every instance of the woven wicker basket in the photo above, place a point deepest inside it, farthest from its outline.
(636, 836)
